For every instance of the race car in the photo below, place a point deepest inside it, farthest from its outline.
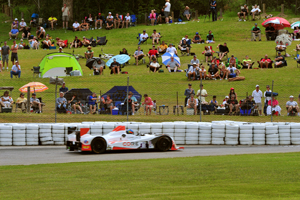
(118, 139)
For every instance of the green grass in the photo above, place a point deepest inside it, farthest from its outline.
(263, 176)
(162, 87)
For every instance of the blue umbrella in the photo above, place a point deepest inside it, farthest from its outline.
(167, 57)
(119, 58)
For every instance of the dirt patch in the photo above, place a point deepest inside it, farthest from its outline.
(294, 20)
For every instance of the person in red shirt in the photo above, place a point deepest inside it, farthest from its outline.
(148, 104)
(263, 63)
(152, 54)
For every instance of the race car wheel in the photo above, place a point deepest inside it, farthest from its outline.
(164, 144)
(98, 145)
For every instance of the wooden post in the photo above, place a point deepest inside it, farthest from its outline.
(264, 8)
(28, 99)
(221, 13)
(196, 14)
(282, 8)
(146, 18)
(173, 20)
(22, 15)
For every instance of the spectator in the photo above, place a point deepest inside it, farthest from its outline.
(34, 43)
(215, 62)
(26, 33)
(35, 103)
(63, 88)
(162, 48)
(267, 98)
(279, 60)
(171, 49)
(214, 103)
(187, 13)
(223, 50)
(75, 104)
(188, 92)
(65, 15)
(172, 65)
(148, 104)
(195, 60)
(127, 20)
(257, 95)
(14, 52)
(256, 32)
(90, 20)
(46, 43)
(115, 66)
(296, 32)
(6, 101)
(208, 53)
(108, 104)
(152, 17)
(60, 50)
(92, 103)
(99, 20)
(273, 107)
(84, 26)
(225, 101)
(89, 53)
(40, 33)
(109, 21)
(98, 67)
(186, 38)
(15, 23)
(153, 53)
(117, 21)
(22, 102)
(280, 46)
(213, 8)
(244, 12)
(184, 47)
(76, 43)
(60, 42)
(22, 25)
(192, 103)
(223, 72)
(232, 92)
(210, 39)
(201, 94)
(197, 39)
(22, 45)
(232, 61)
(192, 71)
(132, 101)
(248, 62)
(202, 73)
(61, 103)
(52, 20)
(143, 37)
(5, 54)
(138, 54)
(270, 32)
(160, 16)
(232, 71)
(233, 105)
(292, 105)
(76, 26)
(155, 37)
(154, 65)
(254, 11)
(264, 63)
(1, 61)
(13, 33)
(85, 41)
(213, 72)
(167, 10)
(248, 104)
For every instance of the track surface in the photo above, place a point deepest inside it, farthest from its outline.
(58, 154)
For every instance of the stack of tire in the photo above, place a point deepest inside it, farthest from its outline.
(156, 128)
(32, 134)
(259, 134)
(204, 133)
(96, 129)
(218, 133)
(272, 136)
(192, 133)
(180, 132)
(232, 134)
(45, 134)
(246, 134)
(295, 133)
(58, 134)
(168, 128)
(6, 135)
(144, 128)
(19, 134)
(284, 132)
(107, 127)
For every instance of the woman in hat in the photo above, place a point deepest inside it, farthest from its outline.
(232, 92)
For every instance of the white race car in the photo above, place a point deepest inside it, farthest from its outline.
(119, 139)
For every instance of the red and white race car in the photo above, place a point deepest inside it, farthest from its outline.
(119, 139)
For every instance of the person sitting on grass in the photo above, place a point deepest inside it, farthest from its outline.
(52, 20)
(223, 72)
(215, 62)
(233, 105)
(138, 55)
(264, 63)
(210, 39)
(223, 50)
(13, 33)
(108, 104)
(148, 104)
(22, 25)
(76, 26)
(202, 73)
(192, 103)
(195, 60)
(208, 53)
(279, 60)
(40, 33)
(232, 71)
(46, 43)
(26, 33)
(98, 67)
(85, 41)
(197, 39)
(60, 42)
(232, 61)
(76, 43)
(92, 103)
(154, 65)
(84, 26)
(75, 104)
(162, 48)
(292, 105)
(172, 65)
(152, 54)
(184, 47)
(247, 62)
(213, 72)
(15, 23)
(274, 108)
(34, 43)
(243, 13)
(155, 37)
(115, 66)
(192, 71)
(89, 53)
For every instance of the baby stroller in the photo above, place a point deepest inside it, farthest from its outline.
(34, 18)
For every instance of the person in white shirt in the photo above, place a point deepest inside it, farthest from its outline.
(65, 15)
(192, 71)
(6, 100)
(154, 65)
(126, 20)
(138, 55)
(225, 101)
(22, 25)
(15, 70)
(34, 43)
(254, 11)
(201, 94)
(167, 10)
(257, 95)
(40, 33)
(292, 105)
(143, 37)
(46, 43)
(76, 26)
(232, 70)
(110, 21)
(171, 49)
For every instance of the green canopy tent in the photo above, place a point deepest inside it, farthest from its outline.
(55, 64)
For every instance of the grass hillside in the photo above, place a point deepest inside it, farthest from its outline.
(162, 87)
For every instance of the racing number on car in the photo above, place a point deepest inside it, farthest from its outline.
(130, 144)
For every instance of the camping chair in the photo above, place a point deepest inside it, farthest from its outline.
(269, 65)
(36, 108)
(6, 109)
(247, 15)
(197, 76)
(150, 69)
(256, 15)
(144, 40)
(212, 51)
(237, 62)
(40, 22)
(157, 55)
(245, 66)
(133, 20)
(68, 70)
(220, 51)
(102, 40)
(140, 58)
(18, 105)
(36, 70)
(155, 22)
(293, 112)
(158, 39)
(284, 50)
(184, 52)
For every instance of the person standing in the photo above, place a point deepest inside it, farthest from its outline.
(188, 92)
(65, 15)
(267, 99)
(213, 7)
(14, 52)
(257, 95)
(148, 104)
(63, 88)
(15, 70)
(167, 10)
(201, 94)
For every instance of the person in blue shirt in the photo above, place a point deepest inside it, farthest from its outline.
(131, 102)
(14, 32)
(213, 7)
(92, 103)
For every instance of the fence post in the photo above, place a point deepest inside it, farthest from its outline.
(196, 14)
(28, 99)
(272, 100)
(282, 8)
(55, 98)
(264, 8)
(173, 20)
(221, 12)
(177, 106)
(127, 97)
(146, 19)
(200, 101)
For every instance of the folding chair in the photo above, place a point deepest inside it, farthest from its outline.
(68, 70)
(133, 20)
(143, 40)
(257, 15)
(36, 71)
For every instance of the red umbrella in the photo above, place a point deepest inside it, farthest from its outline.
(277, 23)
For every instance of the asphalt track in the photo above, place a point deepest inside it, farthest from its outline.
(58, 154)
